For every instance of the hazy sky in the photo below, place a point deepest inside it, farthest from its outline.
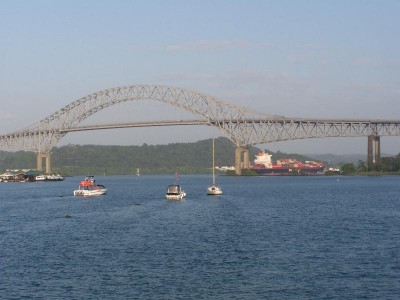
(298, 58)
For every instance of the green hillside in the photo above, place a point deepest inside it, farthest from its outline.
(182, 157)
(151, 159)
(99, 159)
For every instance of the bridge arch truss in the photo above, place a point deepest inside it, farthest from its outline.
(242, 126)
(44, 135)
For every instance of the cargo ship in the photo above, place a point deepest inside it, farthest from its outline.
(263, 165)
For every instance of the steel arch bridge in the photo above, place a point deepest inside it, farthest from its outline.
(242, 126)
(45, 134)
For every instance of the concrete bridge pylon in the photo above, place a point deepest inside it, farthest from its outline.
(47, 157)
(374, 150)
(241, 152)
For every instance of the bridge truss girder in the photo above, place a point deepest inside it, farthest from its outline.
(253, 132)
(31, 140)
(241, 126)
(242, 133)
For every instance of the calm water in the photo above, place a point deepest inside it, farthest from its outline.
(266, 237)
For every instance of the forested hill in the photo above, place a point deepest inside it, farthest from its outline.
(183, 157)
(156, 159)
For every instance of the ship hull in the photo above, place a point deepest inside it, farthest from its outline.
(263, 165)
(287, 171)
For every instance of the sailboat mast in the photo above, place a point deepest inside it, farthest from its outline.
(213, 167)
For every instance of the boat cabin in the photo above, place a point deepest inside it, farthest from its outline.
(174, 189)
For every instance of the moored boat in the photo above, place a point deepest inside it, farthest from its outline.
(175, 192)
(213, 190)
(51, 177)
(54, 177)
(40, 178)
(89, 188)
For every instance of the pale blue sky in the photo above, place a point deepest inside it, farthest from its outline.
(311, 59)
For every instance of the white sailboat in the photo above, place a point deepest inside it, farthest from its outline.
(213, 190)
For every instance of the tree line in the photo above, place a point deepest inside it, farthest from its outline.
(189, 158)
(387, 165)
(124, 160)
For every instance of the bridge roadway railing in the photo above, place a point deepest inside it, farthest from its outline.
(241, 132)
(261, 131)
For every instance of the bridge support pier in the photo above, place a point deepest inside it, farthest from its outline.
(374, 145)
(239, 152)
(377, 149)
(40, 157)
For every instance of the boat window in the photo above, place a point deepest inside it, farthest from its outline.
(173, 189)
